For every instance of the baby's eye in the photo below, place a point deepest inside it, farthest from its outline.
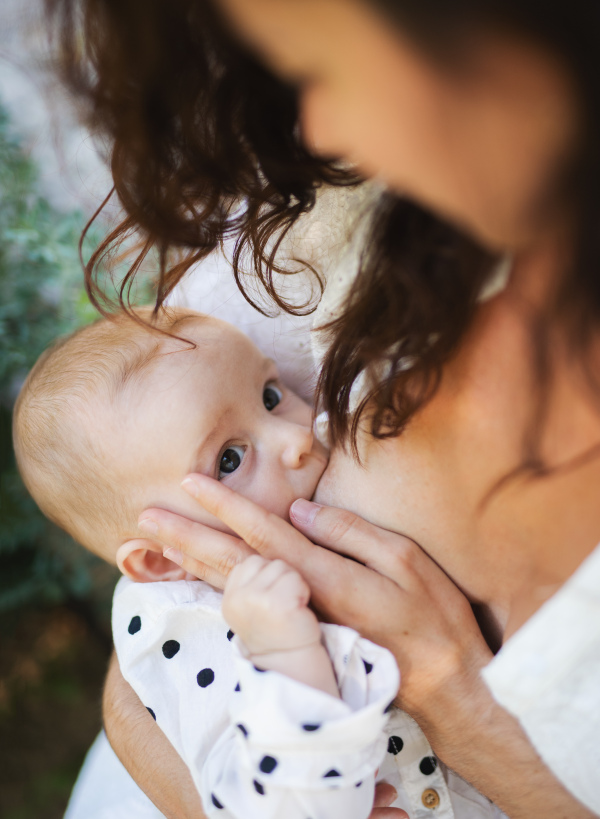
(230, 460)
(271, 397)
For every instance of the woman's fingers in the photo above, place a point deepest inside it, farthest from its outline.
(350, 535)
(196, 569)
(204, 552)
(273, 537)
(385, 794)
(388, 553)
(261, 530)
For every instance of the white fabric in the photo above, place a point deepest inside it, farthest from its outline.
(176, 651)
(548, 676)
(320, 239)
(105, 790)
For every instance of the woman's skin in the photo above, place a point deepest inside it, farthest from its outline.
(479, 142)
(483, 143)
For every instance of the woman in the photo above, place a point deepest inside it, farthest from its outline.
(479, 443)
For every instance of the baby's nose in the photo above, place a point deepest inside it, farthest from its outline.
(298, 443)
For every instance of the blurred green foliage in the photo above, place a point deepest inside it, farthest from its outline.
(41, 297)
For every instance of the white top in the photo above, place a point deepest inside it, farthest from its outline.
(319, 238)
(260, 745)
(548, 676)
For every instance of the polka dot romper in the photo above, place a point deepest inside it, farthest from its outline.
(260, 745)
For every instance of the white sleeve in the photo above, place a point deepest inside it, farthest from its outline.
(259, 745)
(294, 751)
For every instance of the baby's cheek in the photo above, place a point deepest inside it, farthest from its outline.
(277, 501)
(275, 489)
(274, 496)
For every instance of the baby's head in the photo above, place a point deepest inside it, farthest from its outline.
(112, 418)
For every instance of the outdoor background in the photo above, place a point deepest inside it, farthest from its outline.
(54, 598)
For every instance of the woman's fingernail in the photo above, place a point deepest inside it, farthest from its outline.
(304, 511)
(173, 554)
(190, 486)
(148, 526)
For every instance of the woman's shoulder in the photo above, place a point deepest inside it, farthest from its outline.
(547, 676)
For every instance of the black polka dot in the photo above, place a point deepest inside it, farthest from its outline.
(230, 635)
(258, 787)
(358, 784)
(135, 624)
(170, 648)
(428, 765)
(243, 729)
(151, 712)
(237, 688)
(332, 772)
(268, 764)
(216, 802)
(395, 745)
(368, 666)
(260, 670)
(205, 677)
(311, 726)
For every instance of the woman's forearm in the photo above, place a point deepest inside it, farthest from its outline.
(146, 752)
(485, 745)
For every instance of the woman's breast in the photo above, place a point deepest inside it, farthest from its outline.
(400, 485)
(426, 484)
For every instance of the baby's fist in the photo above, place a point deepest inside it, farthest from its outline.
(266, 604)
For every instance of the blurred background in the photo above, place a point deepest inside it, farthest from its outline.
(54, 597)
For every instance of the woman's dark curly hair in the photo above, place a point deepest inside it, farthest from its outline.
(197, 126)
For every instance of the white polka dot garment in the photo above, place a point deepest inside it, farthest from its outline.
(260, 745)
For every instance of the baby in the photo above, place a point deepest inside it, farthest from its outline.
(109, 423)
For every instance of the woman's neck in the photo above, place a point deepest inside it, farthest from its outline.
(558, 503)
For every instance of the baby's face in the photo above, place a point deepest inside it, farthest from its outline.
(221, 410)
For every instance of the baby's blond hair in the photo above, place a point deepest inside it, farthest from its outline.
(62, 462)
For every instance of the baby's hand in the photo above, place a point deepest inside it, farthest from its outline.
(266, 604)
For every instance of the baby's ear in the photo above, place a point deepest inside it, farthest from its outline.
(143, 561)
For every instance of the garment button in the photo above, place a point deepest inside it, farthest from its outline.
(430, 798)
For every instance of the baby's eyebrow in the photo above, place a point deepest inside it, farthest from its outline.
(207, 442)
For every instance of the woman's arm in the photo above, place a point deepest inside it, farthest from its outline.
(487, 747)
(402, 600)
(146, 752)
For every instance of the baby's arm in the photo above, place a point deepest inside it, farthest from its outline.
(258, 745)
(266, 605)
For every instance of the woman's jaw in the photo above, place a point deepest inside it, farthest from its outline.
(481, 143)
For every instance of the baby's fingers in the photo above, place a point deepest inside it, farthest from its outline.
(289, 589)
(270, 575)
(246, 572)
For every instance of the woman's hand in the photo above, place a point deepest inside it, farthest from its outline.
(400, 598)
(390, 591)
